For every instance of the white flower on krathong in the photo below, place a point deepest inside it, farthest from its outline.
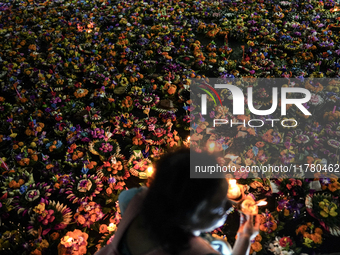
(32, 195)
(316, 99)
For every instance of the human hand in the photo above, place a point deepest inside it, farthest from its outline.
(247, 227)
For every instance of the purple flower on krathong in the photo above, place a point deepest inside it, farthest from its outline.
(268, 224)
(325, 181)
(263, 157)
(294, 207)
(212, 114)
(111, 180)
(282, 204)
(86, 139)
(19, 157)
(306, 106)
(288, 145)
(276, 139)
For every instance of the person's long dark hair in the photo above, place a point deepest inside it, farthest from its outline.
(173, 198)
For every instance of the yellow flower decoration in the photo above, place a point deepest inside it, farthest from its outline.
(328, 209)
(39, 208)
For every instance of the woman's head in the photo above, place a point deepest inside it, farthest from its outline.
(181, 202)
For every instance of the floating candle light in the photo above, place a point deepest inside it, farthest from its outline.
(187, 142)
(261, 203)
(234, 191)
(111, 227)
(149, 171)
(211, 146)
(249, 206)
(335, 9)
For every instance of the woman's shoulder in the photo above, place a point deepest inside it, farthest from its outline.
(125, 197)
(219, 244)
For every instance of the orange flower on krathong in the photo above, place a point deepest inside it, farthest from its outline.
(172, 89)
(334, 186)
(80, 219)
(127, 102)
(259, 144)
(250, 154)
(91, 165)
(103, 229)
(24, 162)
(267, 136)
(36, 252)
(256, 246)
(32, 47)
(128, 124)
(171, 142)
(34, 157)
(54, 236)
(117, 167)
(316, 238)
(301, 230)
(137, 141)
(13, 184)
(80, 93)
(49, 166)
(318, 231)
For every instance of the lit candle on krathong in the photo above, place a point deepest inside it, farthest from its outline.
(211, 146)
(68, 242)
(111, 227)
(187, 142)
(149, 171)
(335, 9)
(261, 203)
(250, 206)
(234, 191)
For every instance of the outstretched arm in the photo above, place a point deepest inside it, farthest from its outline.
(246, 232)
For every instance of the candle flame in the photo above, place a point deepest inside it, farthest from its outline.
(232, 182)
(69, 240)
(149, 170)
(112, 227)
(212, 145)
(335, 9)
(188, 139)
(262, 203)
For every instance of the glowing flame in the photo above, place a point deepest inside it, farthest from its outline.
(262, 203)
(188, 139)
(335, 9)
(234, 190)
(232, 182)
(112, 227)
(149, 170)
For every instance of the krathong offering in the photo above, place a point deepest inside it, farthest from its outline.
(93, 93)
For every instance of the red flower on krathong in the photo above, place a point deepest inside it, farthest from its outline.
(284, 241)
(159, 132)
